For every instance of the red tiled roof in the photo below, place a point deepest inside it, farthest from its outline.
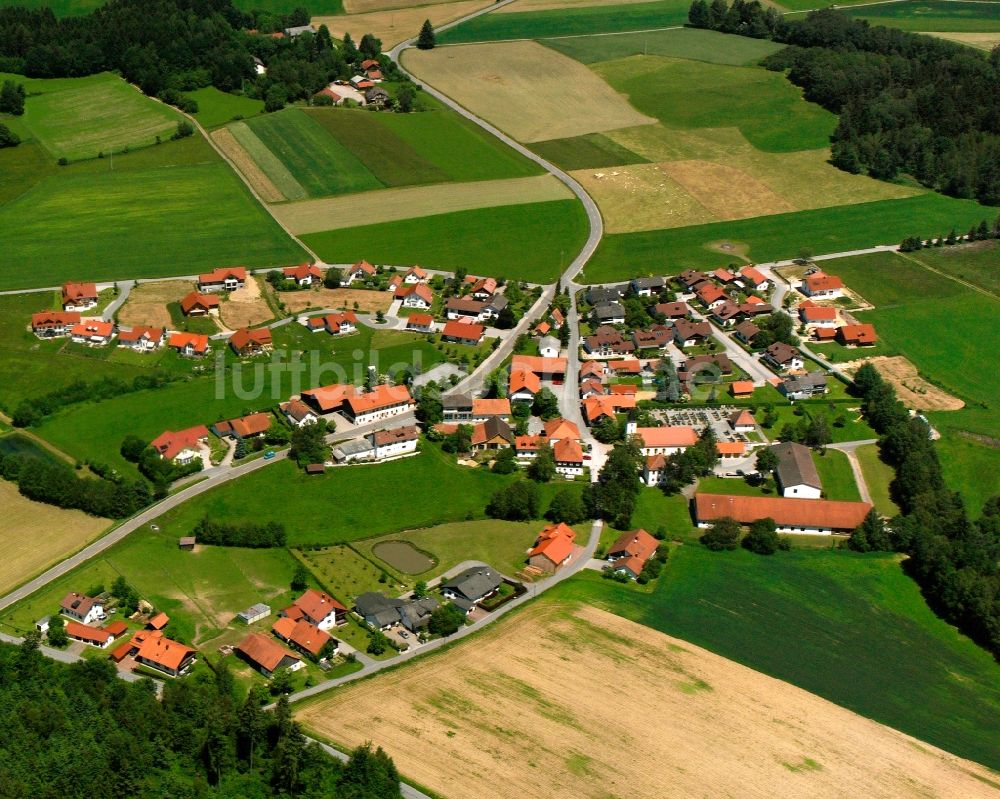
(542, 328)
(632, 549)
(538, 365)
(592, 368)
(297, 409)
(87, 633)
(252, 425)
(669, 436)
(329, 398)
(305, 270)
(529, 443)
(72, 292)
(197, 341)
(491, 407)
(395, 435)
(857, 334)
(159, 621)
(164, 652)
(54, 319)
(419, 320)
(463, 331)
(317, 605)
(422, 290)
(741, 387)
(753, 275)
(301, 633)
(817, 313)
(629, 367)
(381, 396)
(246, 338)
(363, 266)
(568, 450)
(730, 447)
(195, 300)
(116, 628)
(260, 649)
(93, 327)
(555, 543)
(741, 418)
(561, 428)
(170, 444)
(219, 275)
(154, 334)
(786, 512)
(820, 281)
(521, 379)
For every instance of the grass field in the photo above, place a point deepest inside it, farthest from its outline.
(77, 118)
(851, 628)
(823, 230)
(569, 22)
(474, 709)
(933, 15)
(498, 82)
(974, 263)
(689, 43)
(217, 108)
(64, 8)
(878, 475)
(836, 475)
(391, 205)
(345, 573)
(590, 151)
(524, 242)
(393, 25)
(970, 465)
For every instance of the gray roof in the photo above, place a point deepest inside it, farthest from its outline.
(358, 446)
(379, 608)
(795, 465)
(474, 583)
(807, 382)
(451, 401)
(548, 342)
(417, 612)
(648, 283)
(260, 609)
(601, 294)
(610, 310)
(498, 302)
(298, 30)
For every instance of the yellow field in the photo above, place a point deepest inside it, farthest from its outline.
(147, 302)
(566, 702)
(553, 5)
(368, 301)
(525, 89)
(982, 40)
(235, 152)
(387, 205)
(35, 536)
(394, 25)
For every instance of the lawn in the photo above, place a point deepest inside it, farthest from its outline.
(590, 151)
(779, 236)
(974, 263)
(836, 476)
(655, 510)
(689, 43)
(532, 242)
(851, 628)
(971, 463)
(217, 107)
(345, 574)
(569, 22)
(878, 475)
(933, 15)
(78, 118)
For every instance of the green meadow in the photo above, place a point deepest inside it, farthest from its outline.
(933, 15)
(836, 475)
(533, 242)
(65, 8)
(568, 22)
(779, 236)
(590, 151)
(878, 476)
(853, 629)
(217, 107)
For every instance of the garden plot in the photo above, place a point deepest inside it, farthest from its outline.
(147, 303)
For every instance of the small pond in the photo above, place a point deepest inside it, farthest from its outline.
(403, 557)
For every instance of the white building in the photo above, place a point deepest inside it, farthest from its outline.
(393, 442)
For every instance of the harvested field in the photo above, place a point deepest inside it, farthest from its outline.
(727, 192)
(267, 162)
(236, 153)
(245, 307)
(526, 89)
(393, 26)
(983, 41)
(367, 301)
(555, 5)
(913, 391)
(147, 302)
(36, 535)
(455, 721)
(389, 205)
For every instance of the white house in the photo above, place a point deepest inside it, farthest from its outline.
(395, 441)
(82, 608)
(382, 402)
(298, 413)
(317, 608)
(820, 284)
(568, 456)
(796, 472)
(548, 347)
(663, 440)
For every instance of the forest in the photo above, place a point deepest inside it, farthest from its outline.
(908, 104)
(79, 731)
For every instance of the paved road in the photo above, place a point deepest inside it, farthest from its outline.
(850, 449)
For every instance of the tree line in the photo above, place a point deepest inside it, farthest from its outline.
(953, 558)
(240, 534)
(907, 103)
(32, 411)
(79, 730)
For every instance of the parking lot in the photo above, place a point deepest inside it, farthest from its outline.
(700, 418)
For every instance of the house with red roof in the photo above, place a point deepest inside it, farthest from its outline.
(463, 332)
(195, 304)
(817, 315)
(188, 344)
(252, 426)
(553, 548)
(79, 296)
(54, 324)
(182, 446)
(741, 388)
(227, 278)
(416, 295)
(141, 338)
(414, 275)
(710, 295)
(305, 274)
(742, 421)
(420, 322)
(93, 332)
(820, 284)
(857, 335)
(630, 552)
(483, 409)
(607, 406)
(267, 656)
(247, 342)
(161, 653)
(663, 440)
(89, 635)
(305, 637)
(317, 608)
(362, 270)
(382, 402)
(753, 279)
(484, 288)
(298, 413)
(809, 516)
(568, 455)
(329, 399)
(523, 385)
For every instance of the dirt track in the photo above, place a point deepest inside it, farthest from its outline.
(564, 703)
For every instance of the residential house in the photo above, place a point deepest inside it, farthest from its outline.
(602, 295)
(556, 318)
(195, 304)
(820, 284)
(252, 426)
(671, 310)
(93, 333)
(483, 409)
(629, 368)
(456, 408)
(298, 413)
(79, 296)
(359, 449)
(611, 313)
(527, 446)
(465, 308)
(710, 295)
(317, 608)
(608, 406)
(553, 548)
(414, 275)
(471, 586)
(247, 342)
(329, 399)
(224, 279)
(394, 442)
(783, 356)
(382, 613)
(745, 332)
(817, 315)
(305, 274)
(741, 388)
(663, 440)
(742, 421)
(89, 635)
(54, 324)
(548, 347)
(689, 334)
(711, 366)
(796, 473)
(395, 284)
(810, 516)
(690, 278)
(494, 306)
(420, 322)
(492, 434)
(266, 656)
(607, 341)
(824, 334)
(417, 295)
(523, 386)
(463, 333)
(726, 314)
(382, 402)
(813, 384)
(142, 339)
(82, 608)
(375, 96)
(648, 286)
(857, 335)
(656, 338)
(182, 446)
(561, 430)
(362, 270)
(340, 324)
(551, 369)
(630, 552)
(484, 288)
(161, 653)
(303, 636)
(568, 456)
(592, 370)
(188, 344)
(755, 306)
(753, 279)
(542, 329)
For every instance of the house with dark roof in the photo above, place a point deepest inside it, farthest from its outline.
(688, 334)
(813, 384)
(745, 331)
(610, 313)
(471, 586)
(796, 473)
(601, 295)
(630, 551)
(82, 608)
(783, 356)
(456, 408)
(382, 613)
(647, 286)
(492, 434)
(392, 442)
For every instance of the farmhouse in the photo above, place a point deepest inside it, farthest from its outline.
(83, 609)
(161, 653)
(195, 304)
(483, 409)
(79, 296)
(53, 324)
(374, 96)
(420, 322)
(89, 635)
(303, 274)
(395, 441)
(362, 270)
(254, 613)
(417, 296)
(742, 421)
(494, 433)
(611, 313)
(251, 426)
(689, 334)
(225, 279)
(464, 308)
(463, 332)
(180, 447)
(553, 548)
(820, 284)
(471, 586)
(857, 335)
(141, 339)
(298, 413)
(93, 333)
(328, 399)
(246, 342)
(317, 608)
(663, 440)
(189, 344)
(815, 516)
(568, 455)
(382, 402)
(796, 473)
(783, 356)
(804, 386)
(266, 656)
(304, 636)
(630, 551)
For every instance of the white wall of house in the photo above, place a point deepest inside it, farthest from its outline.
(801, 491)
(395, 448)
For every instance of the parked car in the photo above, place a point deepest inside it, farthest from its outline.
(403, 634)
(269, 454)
